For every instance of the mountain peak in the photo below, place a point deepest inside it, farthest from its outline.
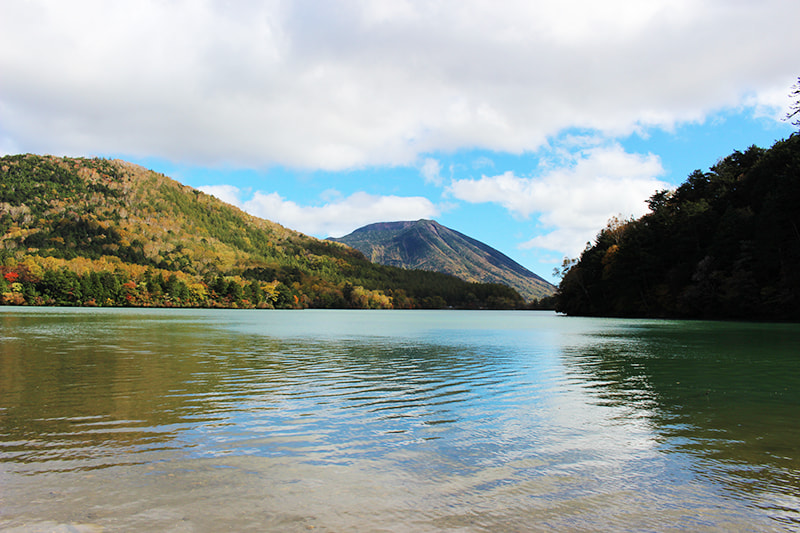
(394, 226)
(427, 245)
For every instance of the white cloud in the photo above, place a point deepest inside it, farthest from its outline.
(336, 218)
(353, 83)
(431, 171)
(573, 201)
(226, 193)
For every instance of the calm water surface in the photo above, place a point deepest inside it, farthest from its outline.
(209, 420)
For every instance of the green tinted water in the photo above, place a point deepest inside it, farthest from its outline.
(195, 420)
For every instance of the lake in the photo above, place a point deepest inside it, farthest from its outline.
(209, 420)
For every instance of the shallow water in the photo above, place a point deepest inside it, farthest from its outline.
(202, 420)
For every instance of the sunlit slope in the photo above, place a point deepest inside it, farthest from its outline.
(77, 216)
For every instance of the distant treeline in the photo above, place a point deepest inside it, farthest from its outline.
(38, 280)
(723, 245)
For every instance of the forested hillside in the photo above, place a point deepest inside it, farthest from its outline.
(725, 244)
(77, 231)
(427, 245)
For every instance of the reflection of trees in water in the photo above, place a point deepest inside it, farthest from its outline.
(727, 393)
(84, 388)
(79, 387)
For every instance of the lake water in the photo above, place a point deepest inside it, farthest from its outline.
(211, 420)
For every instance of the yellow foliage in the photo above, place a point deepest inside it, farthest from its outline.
(198, 290)
(270, 291)
(13, 298)
(34, 270)
(608, 257)
(608, 260)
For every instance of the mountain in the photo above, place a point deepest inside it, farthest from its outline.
(427, 245)
(725, 244)
(78, 231)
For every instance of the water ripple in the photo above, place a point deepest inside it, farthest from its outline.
(474, 422)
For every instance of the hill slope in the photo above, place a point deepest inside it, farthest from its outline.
(725, 244)
(427, 245)
(77, 231)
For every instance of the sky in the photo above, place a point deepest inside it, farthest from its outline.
(524, 124)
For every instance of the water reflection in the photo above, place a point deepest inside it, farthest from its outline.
(726, 393)
(80, 390)
(354, 420)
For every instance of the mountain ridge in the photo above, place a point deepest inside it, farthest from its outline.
(80, 231)
(428, 245)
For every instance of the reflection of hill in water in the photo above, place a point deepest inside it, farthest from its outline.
(86, 388)
(91, 390)
(727, 393)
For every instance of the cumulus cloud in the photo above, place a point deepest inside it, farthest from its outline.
(353, 83)
(336, 218)
(227, 193)
(573, 201)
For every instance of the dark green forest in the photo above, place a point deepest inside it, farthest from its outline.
(724, 245)
(96, 232)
